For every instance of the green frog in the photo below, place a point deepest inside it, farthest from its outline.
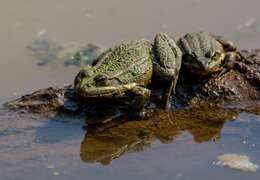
(125, 71)
(206, 54)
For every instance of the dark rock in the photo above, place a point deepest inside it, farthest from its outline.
(46, 100)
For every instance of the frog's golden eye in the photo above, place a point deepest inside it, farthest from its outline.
(216, 56)
(101, 80)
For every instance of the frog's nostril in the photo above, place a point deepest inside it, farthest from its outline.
(88, 85)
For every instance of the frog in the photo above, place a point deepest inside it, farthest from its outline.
(207, 54)
(125, 72)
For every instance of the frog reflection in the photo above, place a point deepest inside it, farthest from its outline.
(103, 143)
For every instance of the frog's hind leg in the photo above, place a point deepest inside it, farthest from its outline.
(167, 64)
(169, 92)
(230, 60)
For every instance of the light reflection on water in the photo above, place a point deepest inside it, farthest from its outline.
(169, 144)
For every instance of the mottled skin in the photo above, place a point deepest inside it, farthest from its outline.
(206, 54)
(125, 71)
(168, 63)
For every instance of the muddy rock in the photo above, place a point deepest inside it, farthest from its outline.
(46, 100)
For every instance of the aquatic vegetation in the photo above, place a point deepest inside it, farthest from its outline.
(48, 52)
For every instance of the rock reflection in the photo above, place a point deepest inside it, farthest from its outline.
(103, 143)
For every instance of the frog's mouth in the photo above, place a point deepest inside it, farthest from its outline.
(105, 91)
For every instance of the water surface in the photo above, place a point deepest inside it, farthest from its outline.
(43, 148)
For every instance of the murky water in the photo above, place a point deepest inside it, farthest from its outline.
(33, 148)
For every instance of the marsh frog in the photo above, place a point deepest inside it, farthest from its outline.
(126, 70)
(206, 54)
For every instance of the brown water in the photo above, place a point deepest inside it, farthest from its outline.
(36, 149)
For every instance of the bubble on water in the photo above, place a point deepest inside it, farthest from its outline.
(56, 173)
(50, 166)
(42, 32)
(18, 24)
(179, 175)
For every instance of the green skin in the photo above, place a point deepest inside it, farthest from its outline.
(125, 71)
(206, 54)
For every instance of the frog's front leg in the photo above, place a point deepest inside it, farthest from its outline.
(137, 97)
(133, 96)
(232, 55)
(229, 61)
(167, 63)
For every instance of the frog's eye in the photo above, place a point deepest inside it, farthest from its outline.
(101, 80)
(210, 54)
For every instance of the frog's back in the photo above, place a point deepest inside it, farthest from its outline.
(199, 43)
(127, 63)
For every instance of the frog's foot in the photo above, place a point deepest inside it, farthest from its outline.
(167, 64)
(230, 60)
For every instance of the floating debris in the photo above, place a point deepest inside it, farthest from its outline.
(236, 161)
(44, 49)
(85, 55)
(49, 51)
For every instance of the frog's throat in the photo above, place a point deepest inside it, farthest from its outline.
(107, 91)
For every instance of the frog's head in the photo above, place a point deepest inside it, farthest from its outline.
(204, 62)
(90, 83)
(202, 54)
